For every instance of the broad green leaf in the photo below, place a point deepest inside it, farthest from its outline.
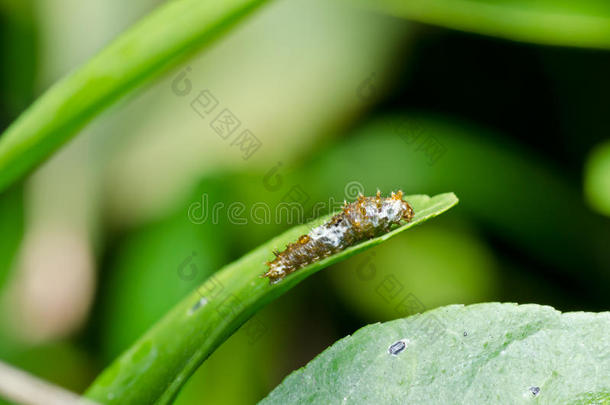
(583, 23)
(597, 178)
(479, 354)
(155, 367)
(173, 31)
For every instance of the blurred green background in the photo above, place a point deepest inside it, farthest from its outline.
(102, 240)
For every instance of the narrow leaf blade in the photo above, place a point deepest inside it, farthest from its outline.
(158, 364)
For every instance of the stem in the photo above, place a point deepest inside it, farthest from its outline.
(23, 388)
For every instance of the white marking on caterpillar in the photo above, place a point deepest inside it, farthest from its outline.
(363, 219)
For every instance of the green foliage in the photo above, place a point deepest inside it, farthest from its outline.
(583, 23)
(488, 353)
(154, 268)
(155, 367)
(481, 354)
(504, 186)
(159, 41)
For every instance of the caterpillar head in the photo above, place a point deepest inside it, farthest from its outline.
(407, 210)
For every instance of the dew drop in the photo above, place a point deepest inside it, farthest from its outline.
(198, 305)
(397, 347)
(535, 390)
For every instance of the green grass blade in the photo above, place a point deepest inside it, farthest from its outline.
(158, 364)
(161, 39)
(583, 23)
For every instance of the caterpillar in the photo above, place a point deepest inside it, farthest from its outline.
(363, 219)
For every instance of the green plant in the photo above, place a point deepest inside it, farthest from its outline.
(582, 24)
(162, 39)
(528, 352)
(154, 369)
(484, 353)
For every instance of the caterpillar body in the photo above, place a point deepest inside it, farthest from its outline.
(363, 219)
